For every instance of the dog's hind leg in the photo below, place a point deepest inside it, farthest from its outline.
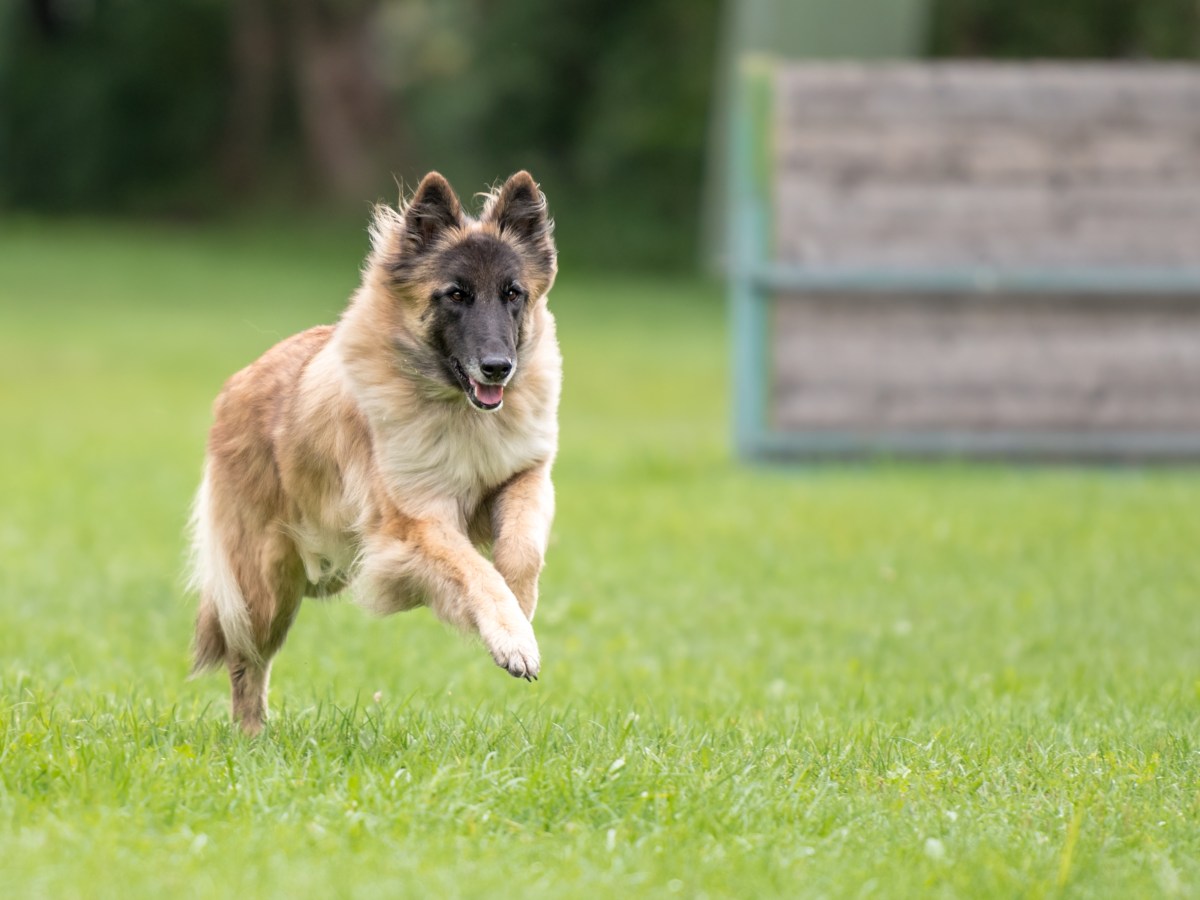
(250, 593)
(250, 673)
(273, 595)
(248, 680)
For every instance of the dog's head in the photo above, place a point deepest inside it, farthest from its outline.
(464, 291)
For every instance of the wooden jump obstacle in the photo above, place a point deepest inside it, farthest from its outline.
(974, 259)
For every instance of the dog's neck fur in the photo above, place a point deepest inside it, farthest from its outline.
(426, 436)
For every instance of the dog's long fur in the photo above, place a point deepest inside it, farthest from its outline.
(367, 454)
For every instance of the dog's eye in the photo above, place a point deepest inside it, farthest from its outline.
(511, 294)
(458, 296)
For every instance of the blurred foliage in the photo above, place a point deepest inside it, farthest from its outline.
(605, 102)
(122, 106)
(109, 104)
(1072, 29)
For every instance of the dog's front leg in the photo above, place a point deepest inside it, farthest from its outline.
(521, 516)
(409, 560)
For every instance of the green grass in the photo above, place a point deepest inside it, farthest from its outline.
(820, 681)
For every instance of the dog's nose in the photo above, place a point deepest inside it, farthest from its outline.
(495, 368)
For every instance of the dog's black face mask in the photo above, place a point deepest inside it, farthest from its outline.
(477, 316)
(475, 281)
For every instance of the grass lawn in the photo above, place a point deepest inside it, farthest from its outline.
(880, 680)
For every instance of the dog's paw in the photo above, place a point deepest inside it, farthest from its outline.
(515, 650)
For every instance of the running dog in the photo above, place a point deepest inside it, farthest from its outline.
(389, 453)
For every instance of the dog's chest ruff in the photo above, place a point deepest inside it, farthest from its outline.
(461, 453)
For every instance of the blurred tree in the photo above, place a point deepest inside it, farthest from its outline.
(1025, 29)
(606, 101)
(155, 106)
(344, 113)
(255, 54)
(108, 103)
(316, 56)
(195, 104)
(131, 105)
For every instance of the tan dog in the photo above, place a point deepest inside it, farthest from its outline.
(387, 452)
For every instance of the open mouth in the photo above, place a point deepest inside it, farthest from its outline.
(486, 396)
(482, 396)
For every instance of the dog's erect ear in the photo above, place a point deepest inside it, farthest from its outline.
(519, 210)
(433, 208)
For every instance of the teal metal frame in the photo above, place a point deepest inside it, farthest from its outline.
(748, 240)
(754, 279)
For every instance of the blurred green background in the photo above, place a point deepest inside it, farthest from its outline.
(201, 108)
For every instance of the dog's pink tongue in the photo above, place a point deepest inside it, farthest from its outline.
(488, 394)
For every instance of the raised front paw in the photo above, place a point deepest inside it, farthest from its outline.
(514, 648)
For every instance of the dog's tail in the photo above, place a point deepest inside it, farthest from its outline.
(208, 644)
(223, 620)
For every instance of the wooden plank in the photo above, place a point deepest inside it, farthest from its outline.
(923, 224)
(988, 164)
(1063, 151)
(876, 365)
(986, 283)
(982, 92)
